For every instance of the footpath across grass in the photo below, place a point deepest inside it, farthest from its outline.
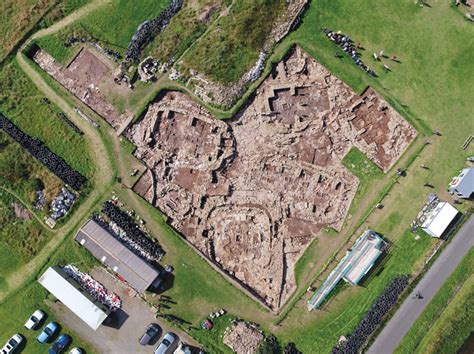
(112, 25)
(16, 309)
(447, 321)
(17, 17)
(22, 103)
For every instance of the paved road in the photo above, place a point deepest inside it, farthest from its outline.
(401, 322)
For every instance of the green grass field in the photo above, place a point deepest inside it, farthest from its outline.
(455, 324)
(20, 102)
(16, 309)
(17, 17)
(20, 240)
(447, 321)
(189, 24)
(429, 86)
(319, 330)
(19, 172)
(112, 25)
(232, 47)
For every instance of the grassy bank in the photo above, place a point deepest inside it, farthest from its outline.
(112, 25)
(20, 238)
(233, 46)
(21, 102)
(188, 25)
(18, 17)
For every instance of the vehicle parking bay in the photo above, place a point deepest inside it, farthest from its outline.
(128, 323)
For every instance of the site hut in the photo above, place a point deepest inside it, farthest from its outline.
(353, 267)
(64, 288)
(128, 266)
(440, 220)
(462, 185)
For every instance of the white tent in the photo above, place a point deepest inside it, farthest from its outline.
(439, 219)
(66, 290)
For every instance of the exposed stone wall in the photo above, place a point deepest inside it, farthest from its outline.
(253, 192)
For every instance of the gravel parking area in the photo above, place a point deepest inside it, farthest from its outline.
(122, 330)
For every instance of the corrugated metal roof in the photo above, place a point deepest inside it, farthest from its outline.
(66, 290)
(115, 255)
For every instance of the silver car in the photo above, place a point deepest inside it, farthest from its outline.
(165, 343)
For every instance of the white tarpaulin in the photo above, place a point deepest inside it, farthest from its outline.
(439, 219)
(61, 285)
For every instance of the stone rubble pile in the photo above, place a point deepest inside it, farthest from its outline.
(148, 29)
(243, 338)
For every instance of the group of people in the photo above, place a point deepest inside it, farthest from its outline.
(348, 46)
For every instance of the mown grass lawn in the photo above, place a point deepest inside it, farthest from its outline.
(319, 330)
(448, 319)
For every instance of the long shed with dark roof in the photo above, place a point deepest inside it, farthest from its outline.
(139, 274)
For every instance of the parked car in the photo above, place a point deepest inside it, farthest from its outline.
(48, 332)
(151, 331)
(61, 343)
(76, 351)
(183, 349)
(165, 343)
(12, 344)
(34, 320)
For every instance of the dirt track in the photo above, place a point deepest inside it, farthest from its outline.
(102, 174)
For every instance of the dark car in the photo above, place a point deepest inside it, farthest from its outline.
(151, 331)
(61, 343)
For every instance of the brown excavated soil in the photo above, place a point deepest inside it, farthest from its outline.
(82, 78)
(243, 338)
(253, 192)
